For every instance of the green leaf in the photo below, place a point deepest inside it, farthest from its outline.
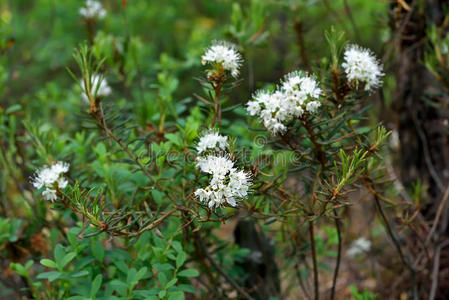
(158, 196)
(98, 251)
(18, 268)
(187, 288)
(77, 298)
(29, 264)
(131, 276)
(48, 263)
(67, 258)
(51, 276)
(59, 254)
(96, 284)
(118, 283)
(13, 108)
(176, 295)
(189, 273)
(140, 274)
(180, 259)
(177, 246)
(171, 283)
(175, 139)
(79, 274)
(72, 236)
(162, 278)
(163, 267)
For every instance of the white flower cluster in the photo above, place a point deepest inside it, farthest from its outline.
(103, 89)
(51, 177)
(93, 9)
(228, 184)
(297, 94)
(226, 55)
(361, 66)
(359, 246)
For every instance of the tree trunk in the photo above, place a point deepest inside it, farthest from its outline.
(424, 144)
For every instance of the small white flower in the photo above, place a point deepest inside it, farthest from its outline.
(313, 106)
(212, 141)
(239, 182)
(93, 9)
(203, 194)
(51, 177)
(62, 182)
(226, 55)
(253, 108)
(98, 85)
(215, 164)
(359, 246)
(227, 185)
(60, 167)
(45, 177)
(49, 195)
(361, 66)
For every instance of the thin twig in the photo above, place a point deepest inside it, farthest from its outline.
(217, 85)
(301, 282)
(302, 49)
(435, 272)
(337, 266)
(397, 245)
(438, 215)
(315, 266)
(319, 150)
(220, 270)
(427, 156)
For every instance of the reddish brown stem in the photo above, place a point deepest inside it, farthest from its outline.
(319, 150)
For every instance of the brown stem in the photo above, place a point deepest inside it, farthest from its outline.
(302, 48)
(397, 245)
(319, 150)
(102, 123)
(315, 266)
(337, 266)
(287, 142)
(217, 85)
(220, 270)
(90, 23)
(301, 282)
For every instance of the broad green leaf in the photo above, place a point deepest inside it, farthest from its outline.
(51, 276)
(189, 273)
(180, 259)
(96, 284)
(67, 259)
(48, 263)
(171, 283)
(158, 196)
(13, 108)
(98, 251)
(162, 278)
(140, 274)
(176, 295)
(59, 254)
(187, 288)
(79, 274)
